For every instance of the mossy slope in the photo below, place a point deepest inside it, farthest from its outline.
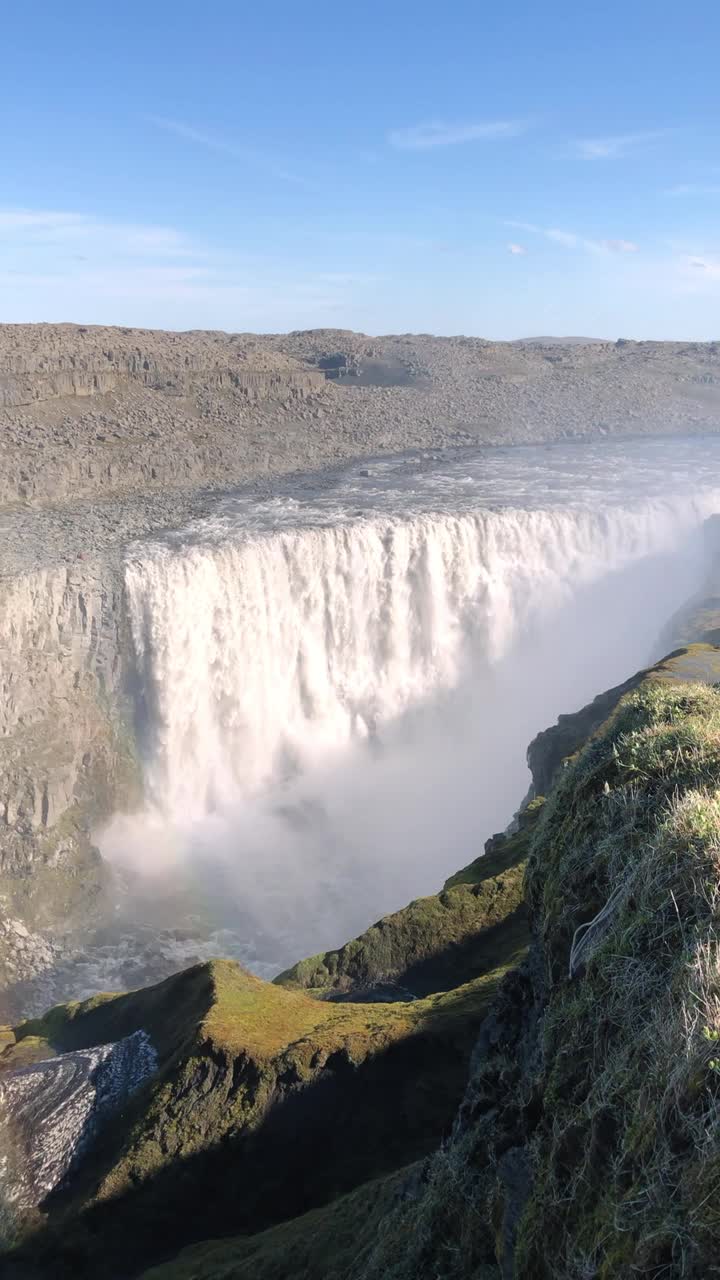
(588, 1141)
(325, 1244)
(476, 923)
(253, 1081)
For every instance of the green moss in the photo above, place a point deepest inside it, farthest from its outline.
(588, 1143)
(473, 925)
(21, 1054)
(253, 1079)
(170, 1012)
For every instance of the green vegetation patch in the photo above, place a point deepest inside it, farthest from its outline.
(631, 1129)
(475, 924)
(253, 1081)
(588, 1141)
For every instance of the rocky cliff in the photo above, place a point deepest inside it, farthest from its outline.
(67, 754)
(96, 411)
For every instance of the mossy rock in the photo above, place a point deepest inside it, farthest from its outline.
(22, 1053)
(476, 923)
(253, 1081)
(550, 749)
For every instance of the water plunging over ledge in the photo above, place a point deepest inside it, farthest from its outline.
(336, 685)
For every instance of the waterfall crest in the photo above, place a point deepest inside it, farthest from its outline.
(262, 656)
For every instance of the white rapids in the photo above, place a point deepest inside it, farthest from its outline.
(337, 684)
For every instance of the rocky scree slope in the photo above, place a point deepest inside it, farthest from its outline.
(90, 411)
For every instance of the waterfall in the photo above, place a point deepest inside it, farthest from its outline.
(264, 656)
(336, 685)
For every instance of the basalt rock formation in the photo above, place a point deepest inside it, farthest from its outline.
(67, 757)
(94, 411)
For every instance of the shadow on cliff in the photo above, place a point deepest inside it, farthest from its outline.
(318, 1141)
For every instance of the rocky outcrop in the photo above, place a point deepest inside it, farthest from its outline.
(90, 410)
(478, 922)
(51, 1111)
(67, 753)
(46, 362)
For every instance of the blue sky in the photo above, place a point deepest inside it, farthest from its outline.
(500, 170)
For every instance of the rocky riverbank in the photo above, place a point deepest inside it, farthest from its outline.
(91, 411)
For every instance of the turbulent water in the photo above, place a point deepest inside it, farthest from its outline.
(337, 684)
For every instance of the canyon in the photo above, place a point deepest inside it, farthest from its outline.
(279, 617)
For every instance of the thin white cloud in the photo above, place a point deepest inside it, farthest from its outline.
(36, 220)
(567, 239)
(571, 239)
(247, 154)
(60, 264)
(518, 249)
(423, 137)
(615, 146)
(710, 267)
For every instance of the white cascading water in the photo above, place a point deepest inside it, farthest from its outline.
(337, 708)
(261, 658)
